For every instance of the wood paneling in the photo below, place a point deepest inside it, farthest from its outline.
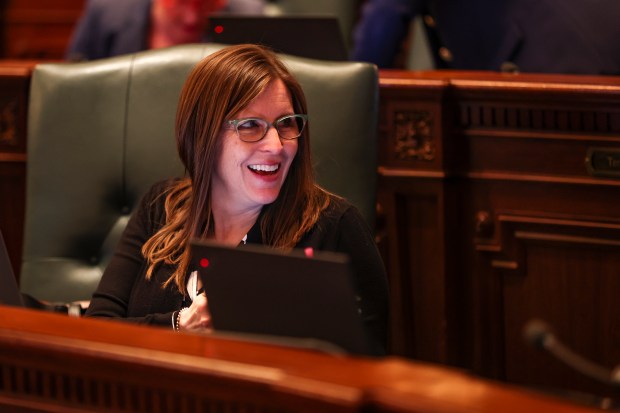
(50, 362)
(35, 29)
(495, 217)
(14, 89)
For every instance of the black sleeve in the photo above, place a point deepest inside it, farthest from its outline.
(123, 284)
(355, 239)
(341, 228)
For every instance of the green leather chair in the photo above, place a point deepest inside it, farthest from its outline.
(101, 133)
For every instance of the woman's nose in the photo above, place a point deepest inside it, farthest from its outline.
(272, 140)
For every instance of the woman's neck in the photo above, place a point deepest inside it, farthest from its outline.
(230, 228)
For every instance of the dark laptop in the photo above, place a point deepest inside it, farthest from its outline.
(291, 299)
(11, 295)
(317, 37)
(9, 291)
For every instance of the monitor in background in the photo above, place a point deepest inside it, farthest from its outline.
(316, 37)
(9, 291)
(304, 301)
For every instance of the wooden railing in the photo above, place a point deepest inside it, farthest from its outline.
(50, 362)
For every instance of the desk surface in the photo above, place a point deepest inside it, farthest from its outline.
(50, 358)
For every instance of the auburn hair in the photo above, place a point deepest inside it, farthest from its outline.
(220, 86)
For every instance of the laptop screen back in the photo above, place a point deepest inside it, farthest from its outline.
(305, 36)
(258, 291)
(9, 291)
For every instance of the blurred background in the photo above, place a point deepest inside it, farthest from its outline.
(41, 29)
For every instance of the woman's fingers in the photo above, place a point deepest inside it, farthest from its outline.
(198, 316)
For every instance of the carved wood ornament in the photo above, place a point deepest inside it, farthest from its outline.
(412, 135)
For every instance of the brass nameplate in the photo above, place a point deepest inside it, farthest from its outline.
(603, 162)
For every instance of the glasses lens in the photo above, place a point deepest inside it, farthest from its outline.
(290, 127)
(252, 130)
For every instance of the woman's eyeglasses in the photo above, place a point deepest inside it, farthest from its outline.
(254, 129)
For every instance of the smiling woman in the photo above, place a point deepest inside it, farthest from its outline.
(249, 179)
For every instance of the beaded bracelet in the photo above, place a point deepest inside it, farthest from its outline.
(174, 319)
(176, 324)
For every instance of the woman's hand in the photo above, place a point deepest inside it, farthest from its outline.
(197, 316)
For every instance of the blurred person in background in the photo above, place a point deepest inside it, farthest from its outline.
(555, 36)
(115, 27)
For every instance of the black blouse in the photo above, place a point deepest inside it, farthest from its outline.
(125, 293)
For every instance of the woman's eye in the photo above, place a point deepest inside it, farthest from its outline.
(287, 123)
(249, 125)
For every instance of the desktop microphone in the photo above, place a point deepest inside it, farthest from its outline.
(539, 335)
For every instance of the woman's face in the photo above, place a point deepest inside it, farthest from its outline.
(249, 175)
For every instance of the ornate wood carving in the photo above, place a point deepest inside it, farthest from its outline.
(413, 135)
(538, 118)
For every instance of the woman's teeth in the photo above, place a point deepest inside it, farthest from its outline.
(265, 169)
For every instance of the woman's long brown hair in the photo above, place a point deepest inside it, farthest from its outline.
(219, 87)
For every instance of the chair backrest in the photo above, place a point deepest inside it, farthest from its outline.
(101, 133)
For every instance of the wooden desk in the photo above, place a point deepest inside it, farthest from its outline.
(492, 214)
(488, 214)
(50, 362)
(14, 91)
